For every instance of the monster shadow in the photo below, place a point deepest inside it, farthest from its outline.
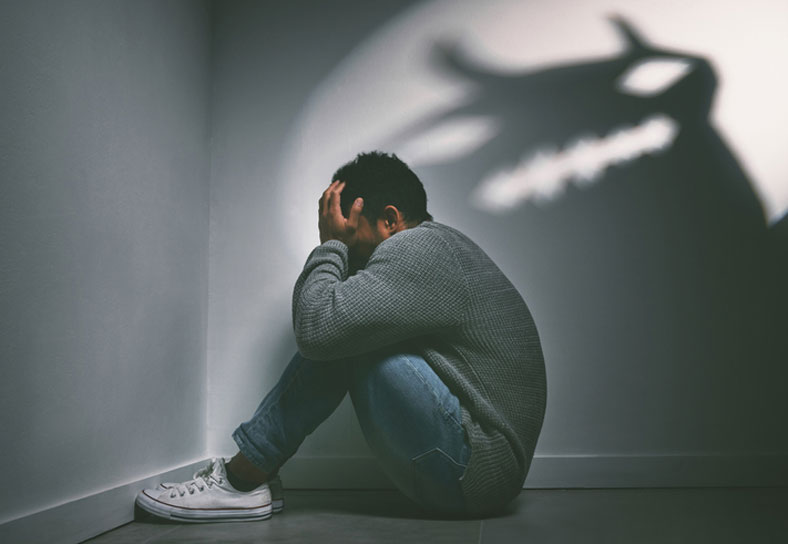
(660, 258)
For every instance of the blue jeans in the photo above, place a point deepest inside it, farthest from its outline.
(410, 419)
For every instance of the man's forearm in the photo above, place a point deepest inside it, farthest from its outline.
(411, 286)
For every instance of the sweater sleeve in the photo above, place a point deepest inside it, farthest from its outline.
(411, 286)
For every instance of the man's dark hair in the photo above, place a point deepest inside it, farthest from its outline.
(382, 179)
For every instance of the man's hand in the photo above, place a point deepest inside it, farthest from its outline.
(331, 222)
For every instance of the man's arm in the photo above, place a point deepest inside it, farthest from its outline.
(412, 286)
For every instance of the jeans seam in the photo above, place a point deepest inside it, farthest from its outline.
(432, 390)
(415, 458)
(283, 393)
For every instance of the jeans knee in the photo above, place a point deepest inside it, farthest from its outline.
(367, 374)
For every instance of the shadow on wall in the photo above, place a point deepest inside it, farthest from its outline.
(650, 236)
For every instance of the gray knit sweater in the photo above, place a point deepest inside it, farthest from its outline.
(431, 289)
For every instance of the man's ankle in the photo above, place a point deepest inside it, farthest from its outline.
(243, 475)
(240, 484)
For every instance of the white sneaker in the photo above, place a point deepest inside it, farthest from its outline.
(275, 484)
(207, 497)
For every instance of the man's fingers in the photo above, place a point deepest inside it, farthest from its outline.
(334, 207)
(324, 199)
(355, 212)
(333, 224)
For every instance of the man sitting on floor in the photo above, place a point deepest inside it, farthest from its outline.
(436, 347)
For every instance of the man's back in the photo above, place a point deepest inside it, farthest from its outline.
(493, 362)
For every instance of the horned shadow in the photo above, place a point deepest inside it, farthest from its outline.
(663, 259)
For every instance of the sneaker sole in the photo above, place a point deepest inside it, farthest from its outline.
(196, 515)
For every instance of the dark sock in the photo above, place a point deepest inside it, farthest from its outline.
(239, 484)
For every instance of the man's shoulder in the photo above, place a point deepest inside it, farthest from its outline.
(431, 230)
(439, 228)
(427, 241)
(451, 244)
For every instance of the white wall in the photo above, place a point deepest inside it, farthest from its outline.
(103, 239)
(659, 331)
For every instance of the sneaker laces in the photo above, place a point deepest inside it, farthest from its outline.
(205, 477)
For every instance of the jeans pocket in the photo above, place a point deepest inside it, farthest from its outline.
(436, 481)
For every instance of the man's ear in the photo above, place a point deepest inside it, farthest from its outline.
(393, 221)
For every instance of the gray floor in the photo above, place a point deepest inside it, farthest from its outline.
(632, 516)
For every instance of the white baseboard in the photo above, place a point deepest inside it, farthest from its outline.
(567, 471)
(677, 470)
(84, 518)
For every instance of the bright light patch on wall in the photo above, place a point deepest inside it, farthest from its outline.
(389, 82)
(450, 140)
(545, 174)
(650, 77)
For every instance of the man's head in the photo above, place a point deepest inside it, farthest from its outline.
(394, 200)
